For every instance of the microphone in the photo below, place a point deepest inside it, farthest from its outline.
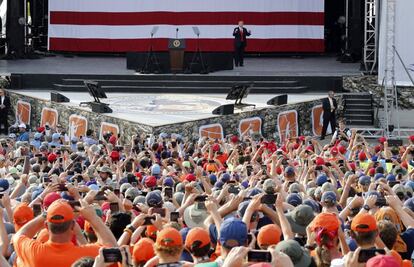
(176, 33)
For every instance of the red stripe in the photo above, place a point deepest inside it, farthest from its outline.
(186, 18)
(213, 45)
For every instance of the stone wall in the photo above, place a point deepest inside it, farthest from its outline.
(126, 128)
(188, 129)
(369, 83)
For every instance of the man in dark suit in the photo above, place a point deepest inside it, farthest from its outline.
(240, 33)
(329, 107)
(4, 112)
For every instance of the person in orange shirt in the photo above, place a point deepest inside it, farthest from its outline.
(58, 250)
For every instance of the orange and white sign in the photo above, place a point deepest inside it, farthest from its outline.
(107, 127)
(77, 126)
(23, 112)
(50, 117)
(317, 121)
(250, 126)
(287, 124)
(214, 131)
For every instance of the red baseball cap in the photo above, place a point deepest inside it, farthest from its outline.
(114, 155)
(190, 177)
(309, 148)
(50, 198)
(411, 138)
(382, 139)
(234, 139)
(151, 181)
(41, 129)
(112, 139)
(319, 161)
(216, 147)
(371, 171)
(362, 156)
(296, 146)
(378, 148)
(52, 157)
(334, 151)
(342, 149)
(352, 165)
(382, 261)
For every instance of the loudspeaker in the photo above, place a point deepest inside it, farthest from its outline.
(59, 98)
(100, 108)
(278, 100)
(224, 110)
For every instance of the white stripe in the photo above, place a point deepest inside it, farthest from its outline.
(168, 31)
(187, 5)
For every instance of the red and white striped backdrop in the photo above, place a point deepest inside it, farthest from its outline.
(125, 25)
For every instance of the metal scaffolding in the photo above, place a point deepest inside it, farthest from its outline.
(371, 35)
(390, 89)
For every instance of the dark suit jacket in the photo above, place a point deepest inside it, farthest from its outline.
(237, 37)
(327, 107)
(4, 112)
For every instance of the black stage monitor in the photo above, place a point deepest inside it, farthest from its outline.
(95, 90)
(278, 100)
(58, 98)
(224, 110)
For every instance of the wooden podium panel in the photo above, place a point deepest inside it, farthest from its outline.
(176, 48)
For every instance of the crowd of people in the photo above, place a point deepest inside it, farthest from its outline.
(167, 201)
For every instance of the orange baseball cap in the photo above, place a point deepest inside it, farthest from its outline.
(22, 214)
(59, 212)
(151, 231)
(197, 238)
(363, 223)
(143, 250)
(326, 220)
(269, 235)
(169, 237)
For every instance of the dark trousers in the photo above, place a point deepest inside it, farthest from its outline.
(328, 118)
(239, 54)
(3, 121)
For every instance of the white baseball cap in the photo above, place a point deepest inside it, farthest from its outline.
(22, 125)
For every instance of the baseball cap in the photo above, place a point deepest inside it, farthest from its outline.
(153, 198)
(59, 212)
(364, 222)
(294, 199)
(391, 178)
(168, 181)
(143, 250)
(294, 188)
(169, 237)
(225, 177)
(321, 180)
(313, 204)
(233, 233)
(155, 169)
(22, 214)
(114, 155)
(197, 238)
(362, 156)
(409, 203)
(22, 125)
(151, 231)
(269, 186)
(112, 139)
(328, 196)
(334, 151)
(269, 235)
(4, 186)
(52, 157)
(289, 171)
(364, 180)
(190, 177)
(378, 176)
(382, 261)
(319, 161)
(50, 198)
(299, 218)
(150, 181)
(326, 220)
(298, 255)
(55, 136)
(194, 217)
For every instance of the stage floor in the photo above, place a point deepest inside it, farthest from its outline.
(275, 66)
(162, 109)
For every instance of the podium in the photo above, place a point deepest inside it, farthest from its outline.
(176, 48)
